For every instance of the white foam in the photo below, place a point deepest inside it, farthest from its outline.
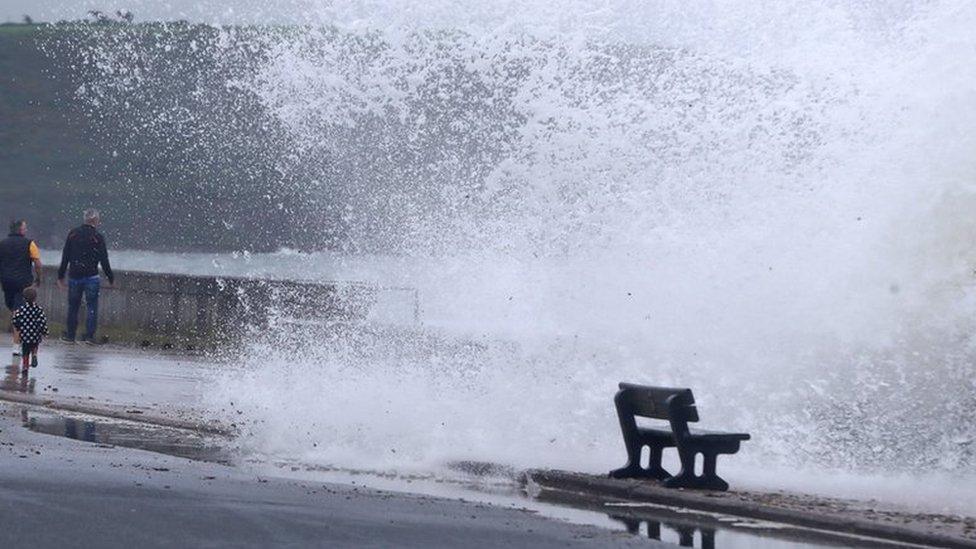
(770, 203)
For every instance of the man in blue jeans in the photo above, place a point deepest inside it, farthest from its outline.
(84, 250)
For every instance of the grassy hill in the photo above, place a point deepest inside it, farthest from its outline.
(47, 160)
(208, 183)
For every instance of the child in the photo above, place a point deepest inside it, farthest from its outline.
(30, 322)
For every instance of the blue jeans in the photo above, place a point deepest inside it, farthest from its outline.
(89, 288)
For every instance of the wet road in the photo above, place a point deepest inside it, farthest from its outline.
(57, 492)
(109, 374)
(80, 489)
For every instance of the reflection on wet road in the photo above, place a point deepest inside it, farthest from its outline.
(110, 375)
(695, 530)
(706, 530)
(15, 381)
(686, 532)
(164, 440)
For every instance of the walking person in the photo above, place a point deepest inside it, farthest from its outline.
(84, 250)
(20, 267)
(32, 326)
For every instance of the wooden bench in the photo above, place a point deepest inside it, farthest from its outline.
(677, 407)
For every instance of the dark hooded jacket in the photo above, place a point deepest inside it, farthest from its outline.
(83, 250)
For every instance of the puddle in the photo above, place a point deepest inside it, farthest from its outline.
(110, 375)
(685, 528)
(163, 440)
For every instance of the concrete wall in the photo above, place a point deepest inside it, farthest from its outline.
(160, 308)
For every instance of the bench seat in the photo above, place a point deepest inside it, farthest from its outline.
(694, 433)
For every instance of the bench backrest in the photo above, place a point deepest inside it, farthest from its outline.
(673, 404)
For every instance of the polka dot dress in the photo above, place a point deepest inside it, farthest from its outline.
(31, 323)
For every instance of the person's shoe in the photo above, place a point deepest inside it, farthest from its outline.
(66, 339)
(34, 361)
(91, 342)
(16, 350)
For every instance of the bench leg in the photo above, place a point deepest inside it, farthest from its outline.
(710, 480)
(633, 443)
(633, 469)
(686, 478)
(708, 471)
(628, 427)
(708, 539)
(654, 530)
(654, 469)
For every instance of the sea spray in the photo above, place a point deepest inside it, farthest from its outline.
(765, 203)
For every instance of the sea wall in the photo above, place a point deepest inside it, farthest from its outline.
(170, 309)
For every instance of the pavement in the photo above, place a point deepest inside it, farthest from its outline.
(58, 492)
(111, 374)
(104, 490)
(96, 486)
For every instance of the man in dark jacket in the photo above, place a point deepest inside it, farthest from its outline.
(83, 251)
(20, 262)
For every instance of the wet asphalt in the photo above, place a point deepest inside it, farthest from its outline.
(109, 374)
(93, 485)
(80, 490)
(58, 492)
